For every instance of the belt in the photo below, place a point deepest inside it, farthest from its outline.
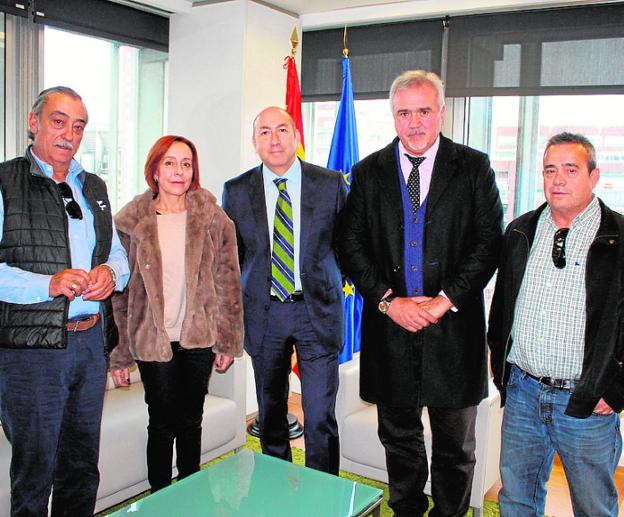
(562, 384)
(297, 296)
(82, 324)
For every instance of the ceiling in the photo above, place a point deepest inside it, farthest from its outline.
(294, 6)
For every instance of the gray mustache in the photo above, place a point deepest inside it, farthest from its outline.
(65, 145)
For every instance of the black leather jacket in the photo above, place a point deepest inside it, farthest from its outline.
(602, 375)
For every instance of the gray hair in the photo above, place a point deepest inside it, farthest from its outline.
(574, 138)
(415, 78)
(43, 97)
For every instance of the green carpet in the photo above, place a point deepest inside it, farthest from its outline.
(490, 509)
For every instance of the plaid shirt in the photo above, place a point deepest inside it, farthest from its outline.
(549, 321)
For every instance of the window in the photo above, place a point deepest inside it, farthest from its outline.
(374, 120)
(113, 55)
(512, 130)
(123, 88)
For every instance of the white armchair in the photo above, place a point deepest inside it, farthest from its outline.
(362, 453)
(123, 472)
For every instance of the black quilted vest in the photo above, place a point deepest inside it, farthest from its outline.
(34, 238)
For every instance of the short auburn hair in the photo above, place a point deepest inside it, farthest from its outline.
(156, 155)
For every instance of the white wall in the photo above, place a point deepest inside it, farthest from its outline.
(267, 43)
(225, 66)
(205, 86)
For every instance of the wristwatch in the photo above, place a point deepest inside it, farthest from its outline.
(384, 304)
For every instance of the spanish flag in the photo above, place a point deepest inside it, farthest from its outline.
(293, 100)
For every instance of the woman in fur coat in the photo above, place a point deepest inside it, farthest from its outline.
(182, 310)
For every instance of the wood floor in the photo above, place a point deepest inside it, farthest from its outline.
(558, 499)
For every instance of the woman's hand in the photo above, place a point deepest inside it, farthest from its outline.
(223, 362)
(121, 377)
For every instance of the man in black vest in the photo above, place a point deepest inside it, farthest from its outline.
(60, 259)
(420, 237)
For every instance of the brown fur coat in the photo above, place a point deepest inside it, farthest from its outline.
(214, 310)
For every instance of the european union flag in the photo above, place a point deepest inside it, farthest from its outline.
(343, 155)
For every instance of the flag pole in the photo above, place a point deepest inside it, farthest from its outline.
(343, 154)
(294, 42)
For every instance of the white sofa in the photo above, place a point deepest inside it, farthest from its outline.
(123, 472)
(362, 453)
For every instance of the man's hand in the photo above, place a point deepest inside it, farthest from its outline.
(69, 283)
(409, 313)
(101, 284)
(437, 306)
(121, 377)
(223, 362)
(602, 408)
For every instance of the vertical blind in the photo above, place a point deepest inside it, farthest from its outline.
(105, 19)
(16, 7)
(555, 51)
(378, 54)
(573, 50)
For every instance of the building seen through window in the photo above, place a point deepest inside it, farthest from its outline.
(123, 88)
(512, 130)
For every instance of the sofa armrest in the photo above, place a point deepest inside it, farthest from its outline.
(348, 400)
(231, 384)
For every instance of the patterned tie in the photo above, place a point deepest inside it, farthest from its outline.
(413, 182)
(283, 256)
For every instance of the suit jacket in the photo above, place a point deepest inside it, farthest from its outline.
(445, 364)
(602, 375)
(323, 195)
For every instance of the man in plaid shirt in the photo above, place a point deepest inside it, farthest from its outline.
(553, 335)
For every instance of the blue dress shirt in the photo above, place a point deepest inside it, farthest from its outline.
(293, 186)
(24, 287)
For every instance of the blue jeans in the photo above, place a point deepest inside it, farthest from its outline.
(51, 409)
(534, 428)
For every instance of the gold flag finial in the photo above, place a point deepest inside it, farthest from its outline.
(294, 41)
(345, 50)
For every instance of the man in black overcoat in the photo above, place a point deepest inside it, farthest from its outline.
(420, 238)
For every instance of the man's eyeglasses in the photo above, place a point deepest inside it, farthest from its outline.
(72, 207)
(558, 250)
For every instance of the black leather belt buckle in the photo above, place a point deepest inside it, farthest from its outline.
(561, 384)
(292, 298)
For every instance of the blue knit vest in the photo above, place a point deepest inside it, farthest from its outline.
(413, 234)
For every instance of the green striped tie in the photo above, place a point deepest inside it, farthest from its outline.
(283, 256)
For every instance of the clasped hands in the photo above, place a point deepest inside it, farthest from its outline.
(418, 312)
(96, 285)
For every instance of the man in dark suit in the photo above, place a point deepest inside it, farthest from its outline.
(285, 212)
(419, 237)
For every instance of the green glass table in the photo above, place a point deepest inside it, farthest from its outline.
(255, 485)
